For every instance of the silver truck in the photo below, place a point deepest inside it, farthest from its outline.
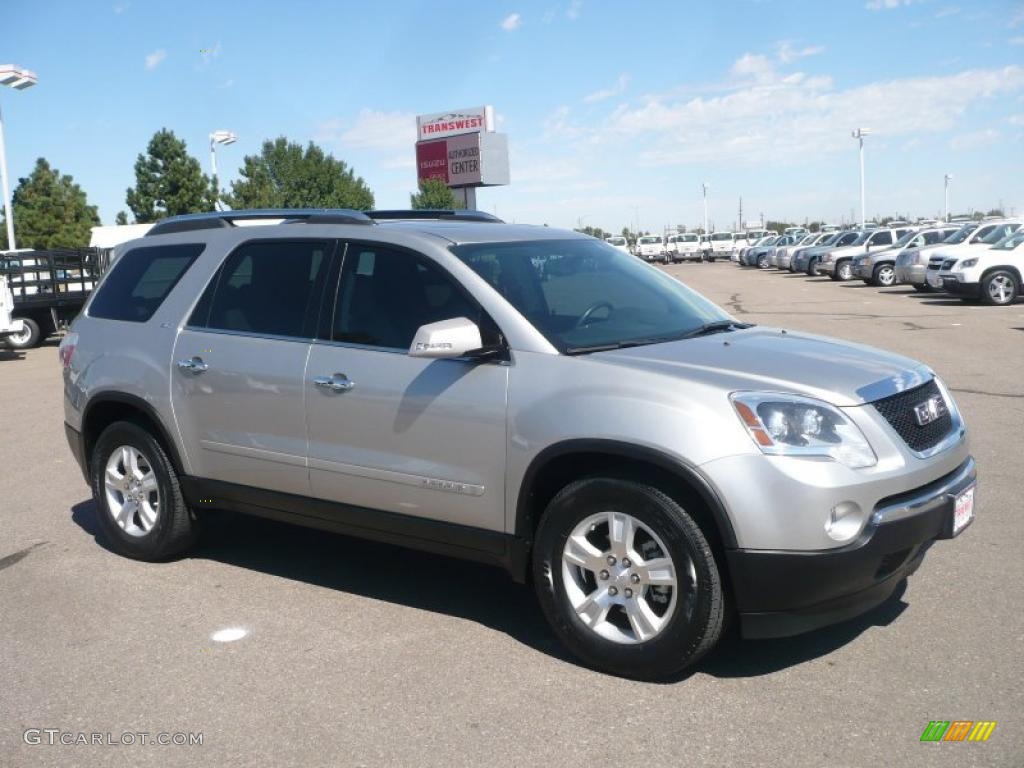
(516, 395)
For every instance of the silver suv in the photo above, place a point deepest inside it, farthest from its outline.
(516, 395)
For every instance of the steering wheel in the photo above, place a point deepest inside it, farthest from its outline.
(591, 310)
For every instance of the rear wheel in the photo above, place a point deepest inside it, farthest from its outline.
(627, 579)
(762, 261)
(31, 335)
(140, 508)
(999, 288)
(884, 275)
(812, 267)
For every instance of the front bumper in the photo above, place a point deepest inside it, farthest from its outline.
(952, 285)
(827, 267)
(862, 269)
(782, 593)
(912, 274)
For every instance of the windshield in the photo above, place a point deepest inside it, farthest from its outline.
(649, 240)
(688, 238)
(960, 235)
(999, 233)
(719, 236)
(1011, 242)
(907, 237)
(582, 293)
(616, 241)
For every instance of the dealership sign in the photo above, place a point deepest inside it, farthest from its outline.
(442, 124)
(465, 160)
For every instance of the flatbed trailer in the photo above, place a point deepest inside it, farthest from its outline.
(49, 288)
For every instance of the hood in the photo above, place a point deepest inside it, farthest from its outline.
(961, 251)
(774, 360)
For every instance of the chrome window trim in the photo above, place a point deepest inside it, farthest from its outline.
(248, 334)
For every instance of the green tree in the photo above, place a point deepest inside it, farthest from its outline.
(434, 194)
(995, 212)
(168, 181)
(50, 211)
(121, 219)
(597, 232)
(284, 175)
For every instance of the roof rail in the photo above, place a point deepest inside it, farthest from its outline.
(434, 214)
(222, 219)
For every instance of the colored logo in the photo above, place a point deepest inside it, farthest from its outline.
(958, 730)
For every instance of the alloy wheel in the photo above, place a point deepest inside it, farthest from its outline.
(621, 580)
(1001, 289)
(132, 491)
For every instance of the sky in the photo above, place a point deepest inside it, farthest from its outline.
(615, 112)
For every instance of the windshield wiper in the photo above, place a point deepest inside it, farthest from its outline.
(718, 326)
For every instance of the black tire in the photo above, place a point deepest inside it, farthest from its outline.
(884, 276)
(33, 338)
(922, 288)
(1011, 288)
(711, 259)
(843, 271)
(686, 638)
(812, 266)
(176, 526)
(762, 261)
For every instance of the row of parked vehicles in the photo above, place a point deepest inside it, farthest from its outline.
(688, 246)
(975, 260)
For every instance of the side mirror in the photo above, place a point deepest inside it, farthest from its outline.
(446, 339)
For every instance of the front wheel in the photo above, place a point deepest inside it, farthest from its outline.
(999, 288)
(140, 507)
(884, 275)
(812, 267)
(627, 579)
(843, 271)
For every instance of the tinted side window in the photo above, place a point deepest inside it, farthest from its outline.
(140, 281)
(882, 238)
(268, 287)
(384, 296)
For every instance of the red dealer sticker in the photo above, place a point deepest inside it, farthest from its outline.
(432, 160)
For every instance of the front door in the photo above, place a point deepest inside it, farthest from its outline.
(237, 379)
(396, 433)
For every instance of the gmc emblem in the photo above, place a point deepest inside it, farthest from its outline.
(930, 410)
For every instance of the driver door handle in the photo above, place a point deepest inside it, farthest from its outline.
(338, 382)
(193, 365)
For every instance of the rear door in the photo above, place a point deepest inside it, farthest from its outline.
(401, 434)
(237, 377)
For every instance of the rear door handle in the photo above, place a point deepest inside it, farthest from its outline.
(193, 365)
(339, 382)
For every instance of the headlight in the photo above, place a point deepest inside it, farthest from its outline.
(791, 425)
(967, 264)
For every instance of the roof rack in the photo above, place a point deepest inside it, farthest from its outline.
(223, 219)
(434, 214)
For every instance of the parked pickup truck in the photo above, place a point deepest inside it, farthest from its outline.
(48, 289)
(9, 326)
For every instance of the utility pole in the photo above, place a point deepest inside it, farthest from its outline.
(739, 223)
(859, 134)
(705, 186)
(945, 208)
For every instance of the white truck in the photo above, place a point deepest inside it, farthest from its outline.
(722, 245)
(651, 248)
(9, 326)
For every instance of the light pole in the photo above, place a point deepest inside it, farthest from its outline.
(705, 186)
(218, 137)
(19, 79)
(945, 208)
(859, 134)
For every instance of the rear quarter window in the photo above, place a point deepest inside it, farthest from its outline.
(140, 281)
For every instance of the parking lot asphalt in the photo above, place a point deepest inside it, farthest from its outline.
(365, 654)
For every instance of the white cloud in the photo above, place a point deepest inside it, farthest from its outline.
(121, 8)
(888, 5)
(227, 83)
(974, 139)
(153, 59)
(512, 22)
(787, 53)
(779, 118)
(372, 129)
(606, 93)
(1017, 120)
(1019, 40)
(574, 9)
(950, 10)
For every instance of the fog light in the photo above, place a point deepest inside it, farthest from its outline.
(844, 521)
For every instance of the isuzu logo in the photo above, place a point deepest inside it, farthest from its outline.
(930, 410)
